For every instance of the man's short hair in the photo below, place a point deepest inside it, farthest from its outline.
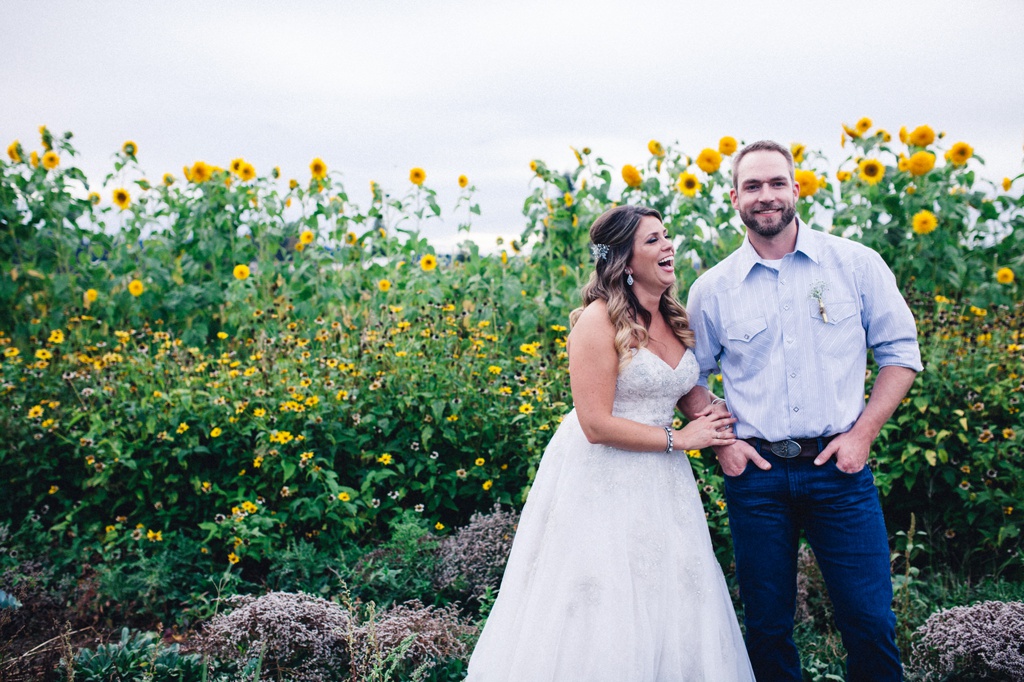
(761, 146)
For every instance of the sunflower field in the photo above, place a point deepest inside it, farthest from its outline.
(213, 370)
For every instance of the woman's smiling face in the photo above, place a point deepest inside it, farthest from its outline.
(653, 261)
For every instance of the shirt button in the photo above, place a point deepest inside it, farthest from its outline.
(782, 281)
(793, 374)
(746, 337)
(796, 409)
(785, 307)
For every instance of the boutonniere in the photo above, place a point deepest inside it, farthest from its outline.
(818, 294)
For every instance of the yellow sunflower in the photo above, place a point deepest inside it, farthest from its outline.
(33, 159)
(709, 160)
(428, 262)
(920, 163)
(808, 182)
(688, 184)
(631, 175)
(797, 150)
(130, 148)
(904, 136)
(135, 288)
(168, 179)
(1004, 276)
(864, 125)
(122, 198)
(350, 238)
(886, 137)
(727, 145)
(384, 285)
(871, 171)
(241, 272)
(200, 172)
(14, 151)
(655, 148)
(236, 165)
(567, 199)
(306, 237)
(247, 172)
(318, 168)
(50, 160)
(417, 176)
(463, 181)
(94, 198)
(91, 295)
(843, 176)
(957, 155)
(921, 136)
(1007, 184)
(924, 222)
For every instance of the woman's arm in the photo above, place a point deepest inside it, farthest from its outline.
(593, 369)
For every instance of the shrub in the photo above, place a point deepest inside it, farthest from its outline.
(137, 656)
(983, 641)
(472, 559)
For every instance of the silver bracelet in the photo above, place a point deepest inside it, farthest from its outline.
(668, 437)
(717, 401)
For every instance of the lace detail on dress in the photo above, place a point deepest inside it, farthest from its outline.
(648, 388)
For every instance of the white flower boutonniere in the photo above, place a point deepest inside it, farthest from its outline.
(818, 294)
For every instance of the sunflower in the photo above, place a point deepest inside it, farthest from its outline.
(904, 136)
(306, 237)
(957, 155)
(94, 198)
(236, 165)
(122, 198)
(864, 125)
(14, 151)
(417, 175)
(871, 171)
(797, 150)
(852, 132)
(168, 179)
(886, 137)
(567, 198)
(130, 148)
(631, 175)
(318, 168)
(428, 262)
(200, 172)
(843, 176)
(688, 184)
(921, 136)
(1007, 184)
(1004, 276)
(924, 222)
(33, 159)
(241, 272)
(90, 295)
(808, 182)
(247, 172)
(709, 160)
(655, 148)
(727, 145)
(384, 285)
(135, 288)
(350, 238)
(47, 137)
(50, 160)
(920, 163)
(463, 181)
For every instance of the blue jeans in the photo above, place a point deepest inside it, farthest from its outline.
(842, 519)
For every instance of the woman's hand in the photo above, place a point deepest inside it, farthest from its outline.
(708, 430)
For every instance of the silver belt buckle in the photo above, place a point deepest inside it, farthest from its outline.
(786, 449)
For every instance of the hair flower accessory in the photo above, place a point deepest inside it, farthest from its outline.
(599, 251)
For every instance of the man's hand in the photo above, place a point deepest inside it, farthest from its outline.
(850, 449)
(733, 458)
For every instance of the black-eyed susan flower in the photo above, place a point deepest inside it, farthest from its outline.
(241, 271)
(130, 148)
(709, 160)
(487, 485)
(631, 175)
(317, 168)
(1004, 276)
(428, 262)
(871, 171)
(808, 182)
(688, 184)
(344, 496)
(135, 288)
(417, 176)
(924, 222)
(215, 432)
(50, 160)
(727, 145)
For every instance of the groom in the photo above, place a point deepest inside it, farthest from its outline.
(787, 319)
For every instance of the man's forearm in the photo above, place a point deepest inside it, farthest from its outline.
(693, 403)
(892, 384)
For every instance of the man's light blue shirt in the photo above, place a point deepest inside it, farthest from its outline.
(787, 372)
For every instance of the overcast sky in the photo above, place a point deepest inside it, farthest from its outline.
(377, 87)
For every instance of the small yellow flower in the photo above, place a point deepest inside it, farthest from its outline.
(215, 432)
(631, 175)
(122, 198)
(452, 418)
(182, 428)
(921, 136)
(438, 526)
(385, 459)
(871, 171)
(808, 182)
(317, 168)
(233, 558)
(33, 159)
(154, 535)
(488, 484)
(56, 336)
(11, 352)
(428, 262)
(494, 369)
(1009, 434)
(463, 181)
(384, 285)
(54, 489)
(864, 125)
(168, 179)
(35, 412)
(417, 176)
(924, 222)
(43, 354)
(939, 298)
(843, 176)
(344, 497)
(1004, 276)
(709, 160)
(1007, 183)
(920, 163)
(241, 271)
(50, 160)
(688, 184)
(727, 145)
(136, 287)
(959, 153)
(797, 150)
(479, 461)
(655, 148)
(306, 237)
(567, 199)
(94, 198)
(14, 151)
(526, 408)
(130, 148)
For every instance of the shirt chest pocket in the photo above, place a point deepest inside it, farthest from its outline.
(838, 331)
(749, 344)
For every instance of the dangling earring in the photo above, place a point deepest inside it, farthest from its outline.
(629, 278)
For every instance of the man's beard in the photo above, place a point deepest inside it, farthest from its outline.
(754, 222)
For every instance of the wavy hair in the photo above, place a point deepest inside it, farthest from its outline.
(616, 229)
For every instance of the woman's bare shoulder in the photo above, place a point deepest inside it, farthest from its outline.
(593, 327)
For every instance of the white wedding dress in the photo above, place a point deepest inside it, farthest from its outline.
(612, 576)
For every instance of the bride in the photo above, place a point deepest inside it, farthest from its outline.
(612, 576)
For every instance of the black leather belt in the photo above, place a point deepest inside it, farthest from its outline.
(791, 448)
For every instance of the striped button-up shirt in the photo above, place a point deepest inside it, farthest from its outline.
(788, 369)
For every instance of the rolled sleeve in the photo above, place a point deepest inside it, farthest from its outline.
(890, 329)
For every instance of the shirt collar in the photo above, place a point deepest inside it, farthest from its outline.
(806, 243)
